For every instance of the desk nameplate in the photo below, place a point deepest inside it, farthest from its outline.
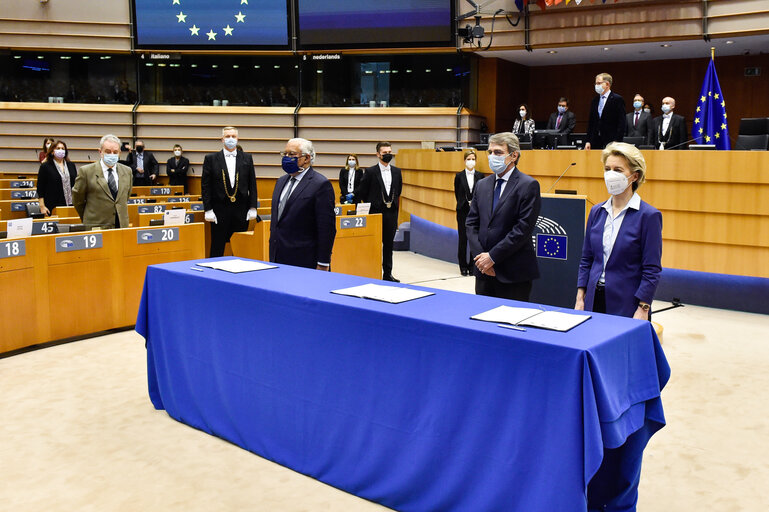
(160, 191)
(45, 228)
(152, 208)
(13, 248)
(178, 199)
(151, 236)
(24, 194)
(22, 184)
(19, 207)
(352, 222)
(78, 242)
(136, 200)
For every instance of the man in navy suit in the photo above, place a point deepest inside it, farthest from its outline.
(502, 217)
(607, 115)
(639, 123)
(303, 223)
(228, 187)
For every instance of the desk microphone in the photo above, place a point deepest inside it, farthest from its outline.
(679, 145)
(561, 176)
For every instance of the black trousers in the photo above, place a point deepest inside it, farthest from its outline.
(229, 219)
(491, 287)
(599, 301)
(465, 262)
(389, 227)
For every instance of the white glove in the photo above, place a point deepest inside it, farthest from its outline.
(210, 216)
(251, 215)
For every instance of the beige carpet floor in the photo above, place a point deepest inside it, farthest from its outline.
(77, 430)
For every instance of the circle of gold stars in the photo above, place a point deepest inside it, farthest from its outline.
(698, 119)
(546, 246)
(195, 30)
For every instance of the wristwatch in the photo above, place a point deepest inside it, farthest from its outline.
(644, 306)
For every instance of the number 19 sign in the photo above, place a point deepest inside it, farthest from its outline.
(78, 242)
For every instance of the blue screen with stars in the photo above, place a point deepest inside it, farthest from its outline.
(206, 23)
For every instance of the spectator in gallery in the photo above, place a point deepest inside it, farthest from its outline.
(563, 120)
(55, 179)
(349, 179)
(177, 167)
(143, 164)
(43, 155)
(524, 124)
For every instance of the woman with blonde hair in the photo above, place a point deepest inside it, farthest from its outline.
(349, 179)
(464, 186)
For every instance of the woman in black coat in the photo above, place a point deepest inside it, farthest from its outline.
(347, 185)
(464, 185)
(177, 167)
(55, 179)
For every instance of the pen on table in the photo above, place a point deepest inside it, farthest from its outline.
(513, 327)
(196, 268)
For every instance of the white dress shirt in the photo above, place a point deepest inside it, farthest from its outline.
(350, 180)
(229, 159)
(105, 170)
(612, 226)
(387, 177)
(470, 175)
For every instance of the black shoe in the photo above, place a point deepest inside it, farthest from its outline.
(389, 277)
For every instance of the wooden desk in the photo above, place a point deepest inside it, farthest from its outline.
(357, 250)
(14, 208)
(49, 294)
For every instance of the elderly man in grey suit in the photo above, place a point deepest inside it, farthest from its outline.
(101, 190)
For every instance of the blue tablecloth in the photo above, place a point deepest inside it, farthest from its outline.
(411, 405)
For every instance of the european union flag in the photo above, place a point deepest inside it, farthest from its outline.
(710, 126)
(552, 246)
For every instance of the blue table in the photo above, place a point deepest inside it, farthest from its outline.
(411, 405)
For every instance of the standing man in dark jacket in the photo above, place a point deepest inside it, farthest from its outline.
(607, 115)
(177, 167)
(639, 123)
(143, 165)
(670, 128)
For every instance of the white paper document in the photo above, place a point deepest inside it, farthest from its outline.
(19, 228)
(174, 217)
(530, 317)
(236, 266)
(362, 209)
(391, 294)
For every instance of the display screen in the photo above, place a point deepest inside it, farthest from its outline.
(206, 23)
(369, 24)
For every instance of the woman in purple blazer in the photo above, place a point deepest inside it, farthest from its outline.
(622, 253)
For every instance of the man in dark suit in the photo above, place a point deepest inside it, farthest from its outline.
(303, 223)
(177, 167)
(381, 186)
(607, 115)
(669, 128)
(639, 123)
(143, 164)
(502, 217)
(564, 121)
(228, 187)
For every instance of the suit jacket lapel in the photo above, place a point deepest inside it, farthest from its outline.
(298, 188)
(102, 182)
(512, 181)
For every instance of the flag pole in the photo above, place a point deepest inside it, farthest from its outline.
(712, 53)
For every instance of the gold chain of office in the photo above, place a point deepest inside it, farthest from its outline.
(224, 182)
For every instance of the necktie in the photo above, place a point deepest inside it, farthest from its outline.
(558, 123)
(635, 123)
(284, 199)
(111, 182)
(497, 193)
(600, 105)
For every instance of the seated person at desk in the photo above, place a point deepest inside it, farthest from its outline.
(143, 164)
(564, 120)
(349, 179)
(101, 190)
(523, 125)
(55, 179)
(177, 167)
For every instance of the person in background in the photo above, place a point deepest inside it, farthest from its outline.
(302, 220)
(228, 186)
(464, 185)
(524, 124)
(177, 167)
(55, 179)
(607, 115)
(618, 274)
(670, 128)
(47, 142)
(563, 120)
(639, 123)
(349, 179)
(143, 164)
(101, 190)
(502, 217)
(381, 186)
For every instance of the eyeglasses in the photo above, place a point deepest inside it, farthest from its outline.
(498, 152)
(292, 154)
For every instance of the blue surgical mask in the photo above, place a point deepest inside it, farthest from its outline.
(561, 109)
(110, 159)
(497, 163)
(230, 143)
(665, 108)
(637, 105)
(599, 89)
(290, 164)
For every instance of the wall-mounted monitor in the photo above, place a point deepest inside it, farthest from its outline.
(332, 24)
(202, 24)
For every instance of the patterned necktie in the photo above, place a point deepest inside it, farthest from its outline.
(497, 193)
(284, 199)
(558, 123)
(111, 182)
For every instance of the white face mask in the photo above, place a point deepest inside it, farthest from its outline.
(497, 163)
(599, 89)
(177, 153)
(665, 108)
(523, 113)
(351, 163)
(469, 165)
(230, 143)
(616, 182)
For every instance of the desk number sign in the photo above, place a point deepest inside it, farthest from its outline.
(22, 184)
(151, 236)
(78, 242)
(352, 222)
(160, 191)
(152, 208)
(13, 248)
(24, 194)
